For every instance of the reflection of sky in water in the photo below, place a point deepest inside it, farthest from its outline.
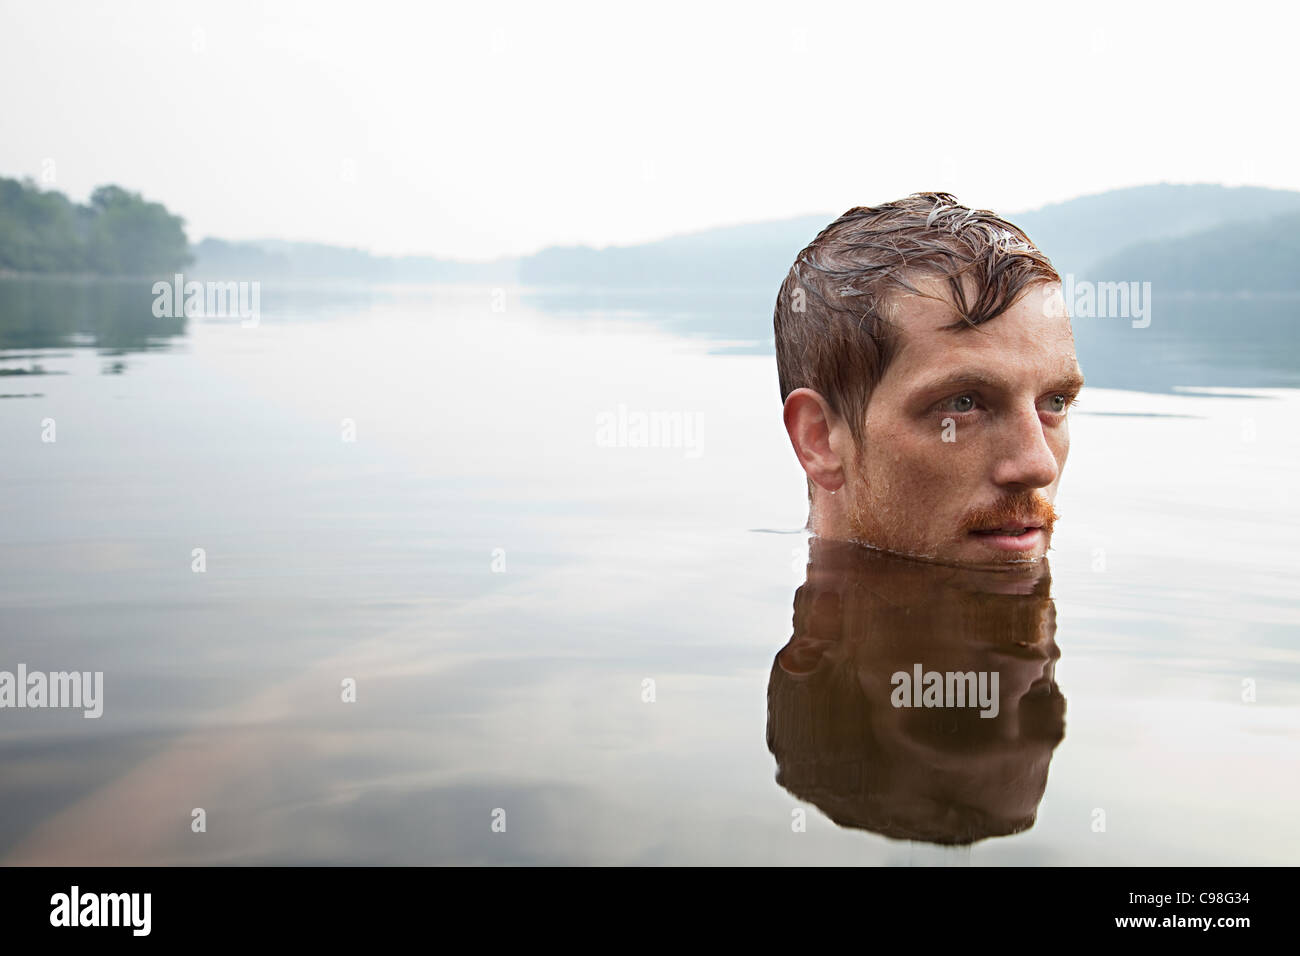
(1172, 577)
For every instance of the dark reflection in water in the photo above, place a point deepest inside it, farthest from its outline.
(940, 774)
(115, 317)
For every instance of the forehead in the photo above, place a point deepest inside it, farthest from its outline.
(1031, 338)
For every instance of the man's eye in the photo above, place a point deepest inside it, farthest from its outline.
(962, 403)
(1060, 403)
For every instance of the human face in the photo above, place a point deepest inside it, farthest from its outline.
(966, 434)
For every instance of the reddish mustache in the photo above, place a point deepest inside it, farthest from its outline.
(1013, 511)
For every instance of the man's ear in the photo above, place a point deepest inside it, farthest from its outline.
(810, 423)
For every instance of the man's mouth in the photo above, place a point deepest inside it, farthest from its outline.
(1012, 536)
(1014, 530)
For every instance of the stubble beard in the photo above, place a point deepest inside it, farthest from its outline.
(877, 520)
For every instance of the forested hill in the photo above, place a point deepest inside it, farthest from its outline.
(118, 233)
(1239, 257)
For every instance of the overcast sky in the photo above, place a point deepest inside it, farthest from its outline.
(472, 130)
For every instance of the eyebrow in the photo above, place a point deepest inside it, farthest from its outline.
(1070, 382)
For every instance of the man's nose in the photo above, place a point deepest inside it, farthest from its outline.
(1026, 458)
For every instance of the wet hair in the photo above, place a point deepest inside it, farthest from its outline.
(836, 312)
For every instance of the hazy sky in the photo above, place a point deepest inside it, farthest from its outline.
(472, 130)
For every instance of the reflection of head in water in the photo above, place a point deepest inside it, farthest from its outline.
(940, 774)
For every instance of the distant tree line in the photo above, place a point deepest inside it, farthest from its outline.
(1182, 238)
(118, 233)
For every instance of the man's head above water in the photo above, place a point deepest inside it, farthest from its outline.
(927, 364)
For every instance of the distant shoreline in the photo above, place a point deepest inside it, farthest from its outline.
(74, 276)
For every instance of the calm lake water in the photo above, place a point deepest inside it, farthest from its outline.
(436, 493)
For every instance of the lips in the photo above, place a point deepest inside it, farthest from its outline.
(1012, 528)
(1019, 525)
(1018, 540)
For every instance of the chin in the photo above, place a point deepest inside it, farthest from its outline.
(987, 563)
(1000, 553)
(963, 554)
(960, 549)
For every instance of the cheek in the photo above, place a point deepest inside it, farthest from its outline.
(921, 471)
(1061, 445)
